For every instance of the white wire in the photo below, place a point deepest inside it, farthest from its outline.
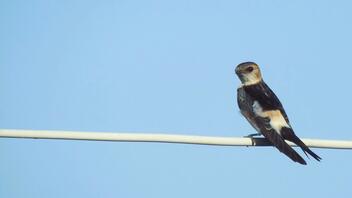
(165, 138)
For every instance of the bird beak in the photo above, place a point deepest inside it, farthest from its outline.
(238, 71)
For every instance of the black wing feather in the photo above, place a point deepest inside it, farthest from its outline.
(262, 125)
(268, 100)
(288, 134)
(277, 140)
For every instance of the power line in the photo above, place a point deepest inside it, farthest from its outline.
(163, 138)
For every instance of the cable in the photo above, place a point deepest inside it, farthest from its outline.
(163, 138)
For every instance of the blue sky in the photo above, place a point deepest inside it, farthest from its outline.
(168, 67)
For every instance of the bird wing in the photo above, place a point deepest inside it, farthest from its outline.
(268, 100)
(288, 134)
(277, 140)
(245, 103)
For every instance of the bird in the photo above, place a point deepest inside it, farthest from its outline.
(264, 111)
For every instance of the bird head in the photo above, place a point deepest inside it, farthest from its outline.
(248, 73)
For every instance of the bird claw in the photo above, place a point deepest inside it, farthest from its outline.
(252, 135)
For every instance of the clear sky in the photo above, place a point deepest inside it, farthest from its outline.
(168, 67)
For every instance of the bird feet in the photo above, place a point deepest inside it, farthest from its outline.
(252, 135)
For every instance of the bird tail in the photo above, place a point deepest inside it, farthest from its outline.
(280, 144)
(288, 134)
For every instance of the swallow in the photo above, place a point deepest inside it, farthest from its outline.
(264, 111)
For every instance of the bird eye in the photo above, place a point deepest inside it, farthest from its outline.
(249, 69)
